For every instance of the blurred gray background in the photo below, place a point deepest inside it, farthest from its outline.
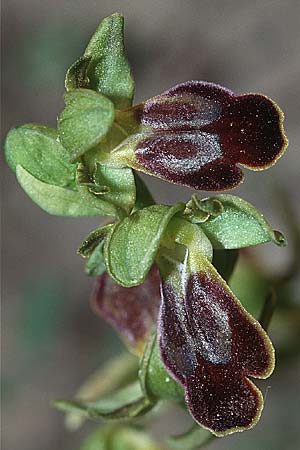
(52, 339)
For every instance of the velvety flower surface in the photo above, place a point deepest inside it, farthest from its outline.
(210, 344)
(132, 311)
(196, 133)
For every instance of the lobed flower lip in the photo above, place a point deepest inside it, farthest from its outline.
(210, 345)
(197, 132)
(131, 311)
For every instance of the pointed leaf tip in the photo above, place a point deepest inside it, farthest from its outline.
(239, 225)
(104, 66)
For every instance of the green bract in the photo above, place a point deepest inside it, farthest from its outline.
(85, 121)
(104, 65)
(37, 149)
(119, 371)
(54, 199)
(239, 225)
(133, 243)
(124, 403)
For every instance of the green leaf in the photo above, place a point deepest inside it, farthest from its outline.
(95, 265)
(37, 149)
(124, 403)
(156, 382)
(133, 243)
(54, 199)
(85, 121)
(109, 70)
(239, 225)
(193, 439)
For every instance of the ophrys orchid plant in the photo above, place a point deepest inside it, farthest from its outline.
(161, 270)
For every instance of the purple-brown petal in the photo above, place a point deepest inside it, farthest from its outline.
(210, 344)
(131, 311)
(187, 106)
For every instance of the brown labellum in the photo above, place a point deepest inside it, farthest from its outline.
(197, 132)
(211, 345)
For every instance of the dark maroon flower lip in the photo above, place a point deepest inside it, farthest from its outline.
(197, 132)
(210, 345)
(131, 311)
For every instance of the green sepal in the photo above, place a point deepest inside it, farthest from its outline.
(156, 382)
(85, 121)
(128, 402)
(54, 199)
(110, 189)
(193, 439)
(132, 245)
(239, 225)
(143, 195)
(104, 66)
(109, 70)
(36, 148)
(92, 240)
